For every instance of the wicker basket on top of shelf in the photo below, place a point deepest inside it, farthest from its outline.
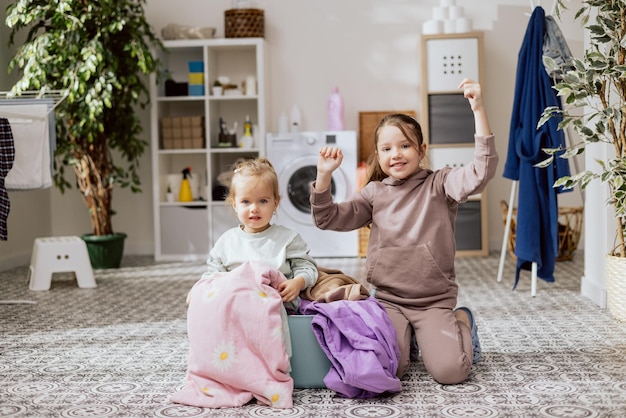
(570, 228)
(244, 23)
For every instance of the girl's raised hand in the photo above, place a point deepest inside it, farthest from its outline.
(472, 92)
(329, 160)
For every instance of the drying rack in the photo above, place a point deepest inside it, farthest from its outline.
(34, 94)
(53, 98)
(10, 103)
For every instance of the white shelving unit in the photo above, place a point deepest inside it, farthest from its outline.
(448, 123)
(188, 230)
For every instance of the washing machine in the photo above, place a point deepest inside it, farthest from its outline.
(294, 156)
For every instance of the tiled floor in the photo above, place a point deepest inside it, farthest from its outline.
(119, 350)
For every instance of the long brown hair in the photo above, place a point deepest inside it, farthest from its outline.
(411, 130)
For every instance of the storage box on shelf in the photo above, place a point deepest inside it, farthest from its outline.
(196, 78)
(448, 123)
(182, 132)
(185, 132)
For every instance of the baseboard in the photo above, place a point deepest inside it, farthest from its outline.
(138, 248)
(593, 292)
(13, 261)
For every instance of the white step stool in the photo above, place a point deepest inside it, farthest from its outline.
(56, 255)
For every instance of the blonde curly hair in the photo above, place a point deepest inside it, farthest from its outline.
(259, 168)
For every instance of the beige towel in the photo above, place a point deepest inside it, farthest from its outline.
(333, 284)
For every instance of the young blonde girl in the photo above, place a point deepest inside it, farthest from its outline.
(254, 196)
(239, 342)
(410, 258)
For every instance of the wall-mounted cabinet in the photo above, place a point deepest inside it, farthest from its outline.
(448, 123)
(186, 132)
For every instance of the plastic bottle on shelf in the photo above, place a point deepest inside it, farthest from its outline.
(335, 111)
(296, 119)
(255, 135)
(185, 195)
(247, 140)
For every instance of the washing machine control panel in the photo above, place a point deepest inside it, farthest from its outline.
(310, 139)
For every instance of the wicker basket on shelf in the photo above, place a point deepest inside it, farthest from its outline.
(244, 23)
(570, 227)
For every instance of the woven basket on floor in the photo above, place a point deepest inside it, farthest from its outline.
(570, 228)
(244, 23)
(616, 286)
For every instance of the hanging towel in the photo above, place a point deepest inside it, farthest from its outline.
(7, 155)
(555, 46)
(536, 238)
(31, 127)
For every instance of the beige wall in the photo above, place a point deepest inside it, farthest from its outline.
(370, 49)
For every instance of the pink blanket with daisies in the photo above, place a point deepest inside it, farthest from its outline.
(236, 345)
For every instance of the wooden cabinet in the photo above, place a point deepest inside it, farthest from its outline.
(448, 123)
(185, 132)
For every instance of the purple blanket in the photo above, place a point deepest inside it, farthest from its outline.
(361, 344)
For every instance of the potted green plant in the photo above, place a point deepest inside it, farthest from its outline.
(217, 88)
(594, 96)
(98, 54)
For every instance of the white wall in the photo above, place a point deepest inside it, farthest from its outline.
(369, 48)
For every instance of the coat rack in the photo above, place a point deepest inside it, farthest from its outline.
(537, 3)
(507, 227)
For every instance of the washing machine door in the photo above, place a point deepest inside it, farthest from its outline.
(295, 184)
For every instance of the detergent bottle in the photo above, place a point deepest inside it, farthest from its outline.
(335, 111)
(247, 140)
(185, 188)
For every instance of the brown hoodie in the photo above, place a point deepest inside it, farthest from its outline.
(410, 257)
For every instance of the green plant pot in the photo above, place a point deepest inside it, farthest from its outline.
(105, 251)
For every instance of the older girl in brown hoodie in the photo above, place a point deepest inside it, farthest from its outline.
(410, 257)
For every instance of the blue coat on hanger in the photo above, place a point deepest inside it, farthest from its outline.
(537, 213)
